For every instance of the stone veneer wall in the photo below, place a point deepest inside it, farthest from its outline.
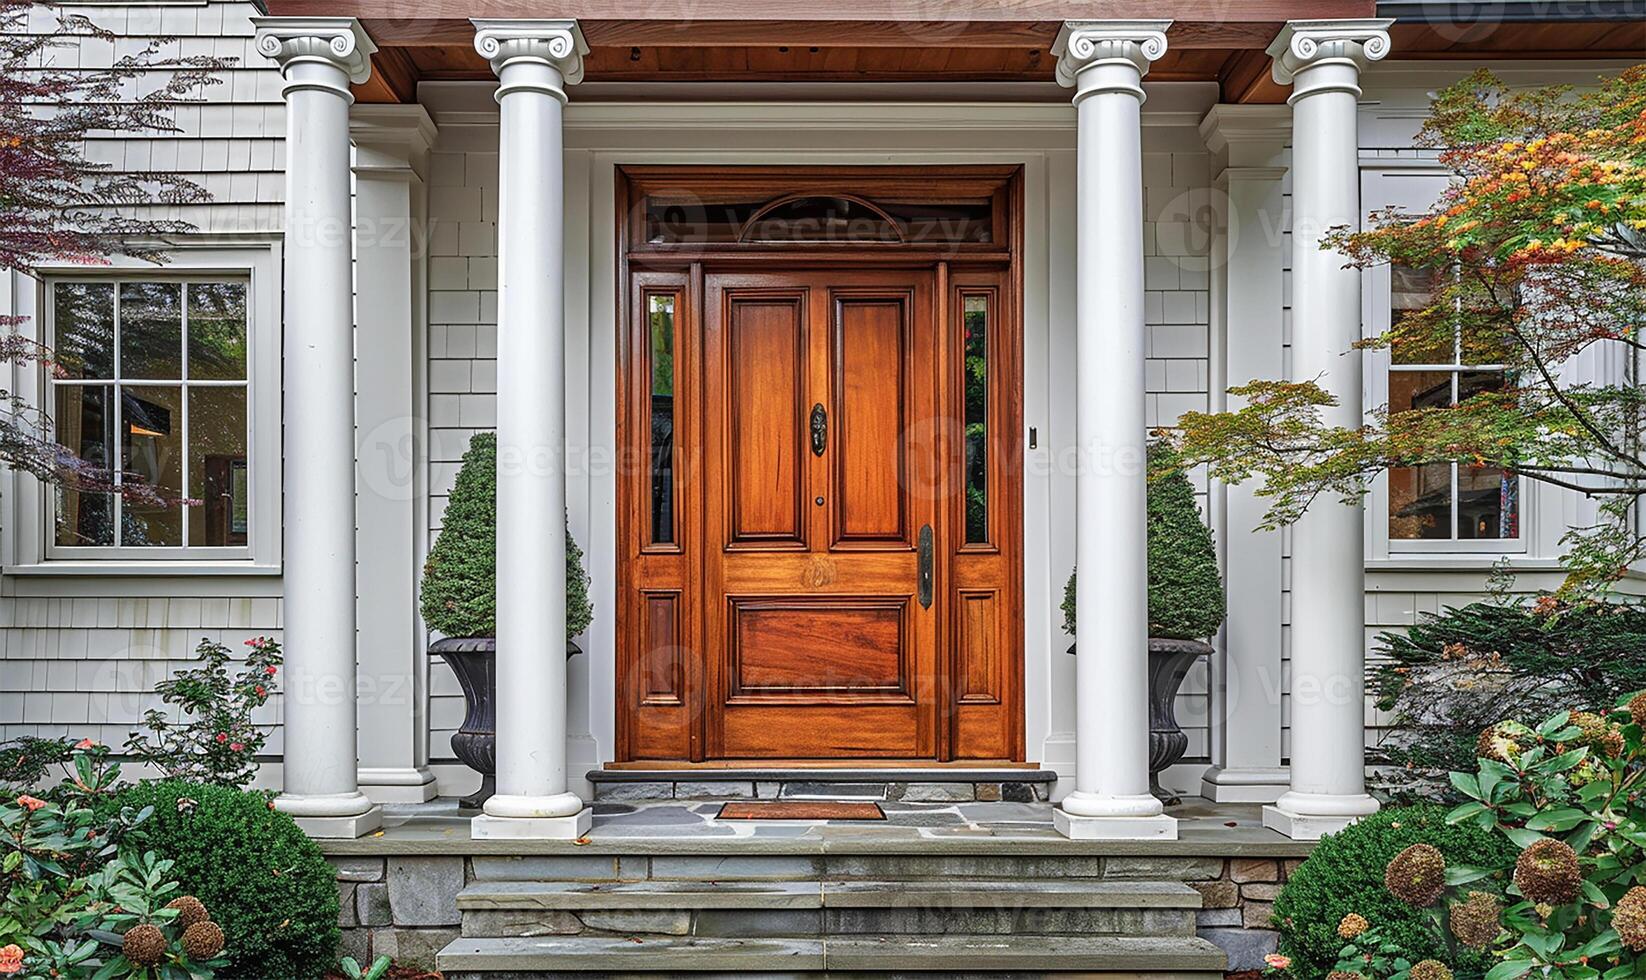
(1236, 906)
(405, 907)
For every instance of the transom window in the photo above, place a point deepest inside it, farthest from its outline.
(152, 385)
(1443, 501)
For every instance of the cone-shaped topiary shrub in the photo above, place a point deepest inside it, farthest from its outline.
(460, 576)
(1185, 589)
(264, 883)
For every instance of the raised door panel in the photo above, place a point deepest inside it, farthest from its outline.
(765, 418)
(869, 383)
(800, 648)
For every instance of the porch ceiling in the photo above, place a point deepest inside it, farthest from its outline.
(920, 40)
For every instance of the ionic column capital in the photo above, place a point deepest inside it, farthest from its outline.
(1303, 45)
(335, 42)
(1088, 51)
(553, 44)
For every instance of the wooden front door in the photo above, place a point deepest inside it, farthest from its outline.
(821, 637)
(820, 478)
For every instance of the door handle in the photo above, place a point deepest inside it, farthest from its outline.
(923, 578)
(820, 429)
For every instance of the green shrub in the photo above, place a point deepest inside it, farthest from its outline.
(266, 884)
(1345, 874)
(1454, 675)
(77, 898)
(460, 576)
(1185, 588)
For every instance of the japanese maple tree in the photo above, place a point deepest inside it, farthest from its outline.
(1538, 249)
(56, 205)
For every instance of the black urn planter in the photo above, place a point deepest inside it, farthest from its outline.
(1169, 663)
(474, 661)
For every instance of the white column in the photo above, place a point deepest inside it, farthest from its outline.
(319, 57)
(1322, 60)
(1104, 61)
(1247, 143)
(391, 156)
(534, 61)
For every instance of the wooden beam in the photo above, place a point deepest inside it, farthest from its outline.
(393, 78)
(703, 12)
(390, 32)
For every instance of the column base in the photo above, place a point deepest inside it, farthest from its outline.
(488, 827)
(1307, 816)
(340, 815)
(398, 785)
(1245, 784)
(1077, 827)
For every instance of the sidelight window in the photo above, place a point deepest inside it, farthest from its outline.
(975, 377)
(660, 315)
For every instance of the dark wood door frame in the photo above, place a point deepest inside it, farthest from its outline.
(662, 659)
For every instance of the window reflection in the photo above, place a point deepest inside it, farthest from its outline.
(975, 345)
(660, 355)
(1442, 501)
(169, 410)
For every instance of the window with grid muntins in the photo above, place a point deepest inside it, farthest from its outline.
(1443, 501)
(150, 382)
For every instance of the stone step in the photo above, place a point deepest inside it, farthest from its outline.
(940, 859)
(951, 956)
(910, 785)
(755, 909)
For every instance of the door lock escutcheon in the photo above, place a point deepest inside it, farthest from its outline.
(923, 578)
(820, 429)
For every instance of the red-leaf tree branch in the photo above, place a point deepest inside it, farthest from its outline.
(1538, 255)
(57, 205)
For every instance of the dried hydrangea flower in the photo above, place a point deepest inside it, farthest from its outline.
(1547, 872)
(1352, 925)
(1417, 875)
(1430, 970)
(189, 910)
(144, 944)
(1629, 918)
(203, 940)
(1475, 920)
(1497, 743)
(1637, 708)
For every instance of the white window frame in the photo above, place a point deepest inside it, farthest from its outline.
(1378, 317)
(34, 549)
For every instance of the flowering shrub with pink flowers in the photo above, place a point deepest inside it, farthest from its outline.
(212, 736)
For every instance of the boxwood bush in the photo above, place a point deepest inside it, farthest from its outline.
(1345, 874)
(267, 885)
(1185, 588)
(460, 576)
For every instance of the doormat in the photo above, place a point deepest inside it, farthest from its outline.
(801, 810)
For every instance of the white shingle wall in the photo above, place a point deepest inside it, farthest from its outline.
(79, 656)
(462, 356)
(87, 666)
(1177, 211)
(229, 141)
